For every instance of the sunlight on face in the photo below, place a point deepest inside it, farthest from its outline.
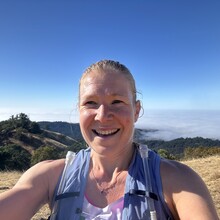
(107, 109)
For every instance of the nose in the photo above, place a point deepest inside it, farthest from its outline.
(103, 113)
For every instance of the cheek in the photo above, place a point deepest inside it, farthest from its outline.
(85, 117)
(128, 117)
(85, 120)
(130, 120)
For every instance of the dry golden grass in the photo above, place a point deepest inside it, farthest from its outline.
(207, 168)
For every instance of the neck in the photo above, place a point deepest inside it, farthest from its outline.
(111, 165)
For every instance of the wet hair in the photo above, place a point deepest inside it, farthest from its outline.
(114, 66)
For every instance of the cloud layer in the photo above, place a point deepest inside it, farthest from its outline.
(171, 124)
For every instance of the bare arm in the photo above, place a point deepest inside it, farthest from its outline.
(185, 192)
(34, 189)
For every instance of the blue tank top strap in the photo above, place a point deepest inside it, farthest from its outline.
(155, 163)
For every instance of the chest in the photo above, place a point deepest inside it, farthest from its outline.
(104, 194)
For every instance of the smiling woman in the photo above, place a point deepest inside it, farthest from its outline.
(114, 178)
(108, 109)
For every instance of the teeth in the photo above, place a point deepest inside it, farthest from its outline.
(106, 132)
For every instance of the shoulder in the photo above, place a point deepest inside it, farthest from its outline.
(174, 169)
(185, 192)
(42, 169)
(42, 177)
(33, 189)
(177, 176)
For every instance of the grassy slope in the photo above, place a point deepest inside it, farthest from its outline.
(207, 168)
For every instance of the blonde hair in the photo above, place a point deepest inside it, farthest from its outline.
(111, 65)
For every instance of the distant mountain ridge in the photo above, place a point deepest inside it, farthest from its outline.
(69, 129)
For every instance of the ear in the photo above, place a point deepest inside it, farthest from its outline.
(137, 109)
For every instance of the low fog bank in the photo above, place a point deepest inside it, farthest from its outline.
(171, 124)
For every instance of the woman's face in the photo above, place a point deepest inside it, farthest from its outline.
(108, 111)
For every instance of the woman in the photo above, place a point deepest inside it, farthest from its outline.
(109, 179)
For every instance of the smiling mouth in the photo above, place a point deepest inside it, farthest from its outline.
(105, 133)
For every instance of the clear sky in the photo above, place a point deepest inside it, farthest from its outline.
(171, 47)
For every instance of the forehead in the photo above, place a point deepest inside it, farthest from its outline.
(107, 83)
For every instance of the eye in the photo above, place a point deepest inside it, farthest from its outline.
(90, 104)
(117, 102)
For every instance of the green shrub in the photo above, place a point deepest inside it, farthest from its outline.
(198, 152)
(165, 154)
(14, 157)
(46, 153)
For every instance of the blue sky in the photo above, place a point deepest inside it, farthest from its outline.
(171, 47)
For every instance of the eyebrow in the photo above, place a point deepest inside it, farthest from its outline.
(89, 96)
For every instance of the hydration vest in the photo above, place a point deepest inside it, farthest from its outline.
(70, 202)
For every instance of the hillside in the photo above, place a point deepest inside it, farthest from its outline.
(23, 142)
(21, 131)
